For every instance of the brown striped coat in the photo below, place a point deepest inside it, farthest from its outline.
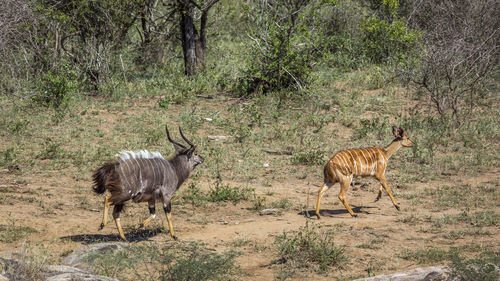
(361, 162)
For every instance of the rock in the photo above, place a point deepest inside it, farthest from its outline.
(437, 276)
(269, 212)
(77, 258)
(69, 273)
(79, 277)
(432, 273)
(13, 269)
(58, 269)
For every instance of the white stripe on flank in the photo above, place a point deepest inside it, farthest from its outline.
(354, 160)
(125, 174)
(366, 160)
(356, 152)
(373, 159)
(144, 154)
(150, 165)
(348, 166)
(345, 165)
(138, 165)
(155, 168)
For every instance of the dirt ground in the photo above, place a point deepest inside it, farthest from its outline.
(67, 225)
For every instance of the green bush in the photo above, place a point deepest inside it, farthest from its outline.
(227, 193)
(194, 195)
(311, 157)
(280, 56)
(10, 233)
(428, 255)
(309, 248)
(483, 268)
(56, 88)
(174, 261)
(383, 41)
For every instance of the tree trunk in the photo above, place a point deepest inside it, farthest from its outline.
(191, 44)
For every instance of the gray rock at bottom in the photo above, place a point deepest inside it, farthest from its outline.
(13, 269)
(432, 273)
(77, 258)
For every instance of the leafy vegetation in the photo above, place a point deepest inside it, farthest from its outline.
(174, 261)
(309, 248)
(281, 86)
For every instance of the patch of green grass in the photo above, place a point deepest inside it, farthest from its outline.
(459, 234)
(411, 219)
(239, 242)
(476, 219)
(174, 261)
(309, 157)
(10, 233)
(194, 195)
(373, 244)
(467, 196)
(309, 248)
(226, 193)
(220, 193)
(428, 255)
(52, 150)
(258, 203)
(479, 219)
(485, 267)
(282, 203)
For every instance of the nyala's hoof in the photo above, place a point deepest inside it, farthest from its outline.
(175, 238)
(397, 207)
(101, 226)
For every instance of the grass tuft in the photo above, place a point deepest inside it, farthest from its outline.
(309, 248)
(174, 261)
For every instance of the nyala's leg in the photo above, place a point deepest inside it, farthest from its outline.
(105, 215)
(344, 186)
(168, 212)
(116, 215)
(322, 190)
(152, 214)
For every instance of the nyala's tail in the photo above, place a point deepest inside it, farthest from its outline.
(329, 173)
(105, 177)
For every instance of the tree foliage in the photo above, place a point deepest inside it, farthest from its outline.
(460, 52)
(281, 54)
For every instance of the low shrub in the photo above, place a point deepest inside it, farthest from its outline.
(309, 248)
(174, 261)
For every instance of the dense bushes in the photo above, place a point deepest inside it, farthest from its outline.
(383, 41)
(281, 55)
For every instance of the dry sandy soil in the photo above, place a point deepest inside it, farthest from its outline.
(69, 226)
(66, 215)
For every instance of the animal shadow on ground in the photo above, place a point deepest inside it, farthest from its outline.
(135, 235)
(331, 213)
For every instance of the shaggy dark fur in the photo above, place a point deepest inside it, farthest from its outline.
(106, 176)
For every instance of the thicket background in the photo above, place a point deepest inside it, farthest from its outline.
(82, 80)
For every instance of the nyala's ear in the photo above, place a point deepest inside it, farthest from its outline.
(178, 148)
(189, 153)
(401, 132)
(395, 131)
